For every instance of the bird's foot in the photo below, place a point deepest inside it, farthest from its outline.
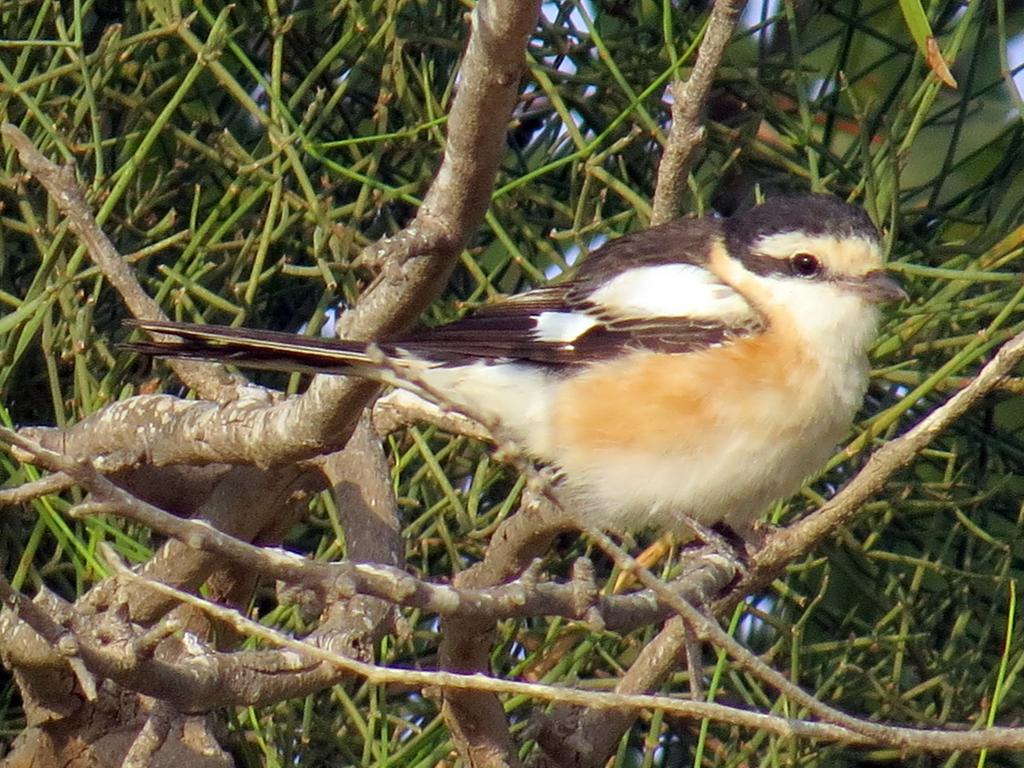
(720, 539)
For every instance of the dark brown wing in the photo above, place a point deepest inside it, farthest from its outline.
(644, 291)
(503, 330)
(576, 322)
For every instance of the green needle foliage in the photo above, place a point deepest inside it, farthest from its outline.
(241, 156)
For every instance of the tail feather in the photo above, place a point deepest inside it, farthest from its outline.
(246, 347)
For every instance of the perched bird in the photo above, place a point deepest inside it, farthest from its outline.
(702, 368)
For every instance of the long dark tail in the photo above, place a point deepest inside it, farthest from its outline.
(251, 348)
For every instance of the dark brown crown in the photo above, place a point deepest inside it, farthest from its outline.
(811, 215)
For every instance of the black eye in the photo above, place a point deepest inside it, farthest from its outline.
(806, 264)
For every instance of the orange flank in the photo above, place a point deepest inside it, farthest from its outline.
(686, 398)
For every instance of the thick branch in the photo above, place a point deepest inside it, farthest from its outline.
(415, 265)
(368, 512)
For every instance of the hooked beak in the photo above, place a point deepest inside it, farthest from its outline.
(878, 286)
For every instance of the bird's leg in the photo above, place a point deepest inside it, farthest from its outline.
(750, 538)
(724, 542)
(721, 540)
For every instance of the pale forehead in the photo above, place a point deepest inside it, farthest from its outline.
(845, 255)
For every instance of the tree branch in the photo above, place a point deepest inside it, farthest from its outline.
(489, 595)
(918, 739)
(209, 380)
(688, 101)
(415, 265)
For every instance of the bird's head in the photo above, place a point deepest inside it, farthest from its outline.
(813, 239)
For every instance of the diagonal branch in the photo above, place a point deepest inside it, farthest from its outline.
(415, 264)
(210, 380)
(788, 544)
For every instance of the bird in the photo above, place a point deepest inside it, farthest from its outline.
(699, 370)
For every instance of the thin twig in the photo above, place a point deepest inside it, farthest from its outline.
(688, 102)
(44, 486)
(709, 631)
(211, 381)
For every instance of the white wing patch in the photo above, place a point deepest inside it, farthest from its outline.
(562, 327)
(670, 290)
